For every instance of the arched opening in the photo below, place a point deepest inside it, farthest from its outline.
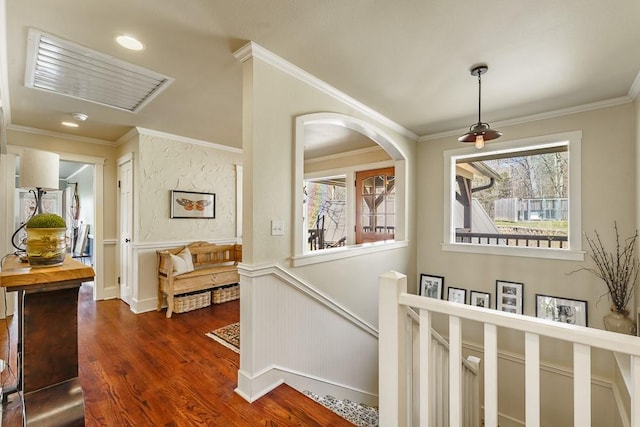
(334, 151)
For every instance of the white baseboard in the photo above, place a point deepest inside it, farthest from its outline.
(143, 306)
(253, 388)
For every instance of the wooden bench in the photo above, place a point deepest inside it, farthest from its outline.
(213, 266)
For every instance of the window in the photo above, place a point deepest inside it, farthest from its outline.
(326, 201)
(375, 205)
(517, 198)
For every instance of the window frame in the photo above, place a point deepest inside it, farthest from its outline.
(573, 141)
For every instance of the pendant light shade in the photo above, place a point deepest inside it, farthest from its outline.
(480, 132)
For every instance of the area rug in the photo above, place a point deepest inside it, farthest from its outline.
(228, 336)
(357, 413)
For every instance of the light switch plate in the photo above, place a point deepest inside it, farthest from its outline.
(277, 227)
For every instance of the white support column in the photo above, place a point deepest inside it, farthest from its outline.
(532, 379)
(425, 369)
(455, 374)
(634, 391)
(490, 375)
(581, 385)
(392, 374)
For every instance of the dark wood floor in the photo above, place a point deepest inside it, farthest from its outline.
(147, 370)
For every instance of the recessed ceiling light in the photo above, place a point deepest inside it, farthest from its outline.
(70, 124)
(129, 42)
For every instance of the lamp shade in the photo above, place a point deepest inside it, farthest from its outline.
(480, 129)
(39, 169)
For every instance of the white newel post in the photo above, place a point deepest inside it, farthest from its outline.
(392, 373)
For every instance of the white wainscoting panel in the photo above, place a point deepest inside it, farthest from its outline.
(293, 334)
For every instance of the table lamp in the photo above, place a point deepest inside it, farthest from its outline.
(39, 172)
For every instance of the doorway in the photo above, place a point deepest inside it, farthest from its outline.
(93, 209)
(125, 225)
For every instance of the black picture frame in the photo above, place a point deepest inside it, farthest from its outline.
(509, 296)
(480, 299)
(431, 286)
(458, 295)
(563, 310)
(192, 204)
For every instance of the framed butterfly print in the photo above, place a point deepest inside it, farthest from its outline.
(189, 204)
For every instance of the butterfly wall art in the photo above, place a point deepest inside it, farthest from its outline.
(189, 204)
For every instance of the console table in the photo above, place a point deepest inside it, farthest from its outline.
(48, 339)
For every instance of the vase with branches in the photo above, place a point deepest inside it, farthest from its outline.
(619, 270)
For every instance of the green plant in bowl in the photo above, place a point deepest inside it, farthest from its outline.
(46, 240)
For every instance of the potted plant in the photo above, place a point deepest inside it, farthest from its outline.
(46, 240)
(619, 271)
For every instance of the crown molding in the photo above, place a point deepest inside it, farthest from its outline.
(634, 91)
(127, 136)
(254, 50)
(36, 131)
(184, 139)
(536, 117)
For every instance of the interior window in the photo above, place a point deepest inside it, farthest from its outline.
(337, 220)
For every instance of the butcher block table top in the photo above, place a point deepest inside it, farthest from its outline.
(17, 275)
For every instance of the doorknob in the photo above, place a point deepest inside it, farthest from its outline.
(127, 240)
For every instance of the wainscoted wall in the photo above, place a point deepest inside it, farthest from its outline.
(163, 163)
(110, 290)
(145, 271)
(314, 344)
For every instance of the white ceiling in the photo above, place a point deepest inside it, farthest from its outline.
(407, 59)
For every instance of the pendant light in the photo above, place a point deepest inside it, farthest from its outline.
(480, 132)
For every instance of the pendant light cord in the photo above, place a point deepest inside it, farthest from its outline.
(479, 96)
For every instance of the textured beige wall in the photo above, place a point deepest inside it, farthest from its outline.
(272, 101)
(165, 165)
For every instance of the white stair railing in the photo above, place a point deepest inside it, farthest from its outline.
(394, 303)
(440, 385)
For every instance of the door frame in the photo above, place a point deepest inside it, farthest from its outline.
(129, 157)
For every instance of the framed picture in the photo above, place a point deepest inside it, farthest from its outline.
(189, 204)
(509, 296)
(480, 299)
(563, 310)
(457, 295)
(431, 286)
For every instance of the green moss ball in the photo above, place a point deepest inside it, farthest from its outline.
(46, 221)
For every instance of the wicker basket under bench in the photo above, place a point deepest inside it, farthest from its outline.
(215, 266)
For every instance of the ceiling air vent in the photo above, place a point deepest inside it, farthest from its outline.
(64, 67)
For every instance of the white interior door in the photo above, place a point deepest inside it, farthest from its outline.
(125, 177)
